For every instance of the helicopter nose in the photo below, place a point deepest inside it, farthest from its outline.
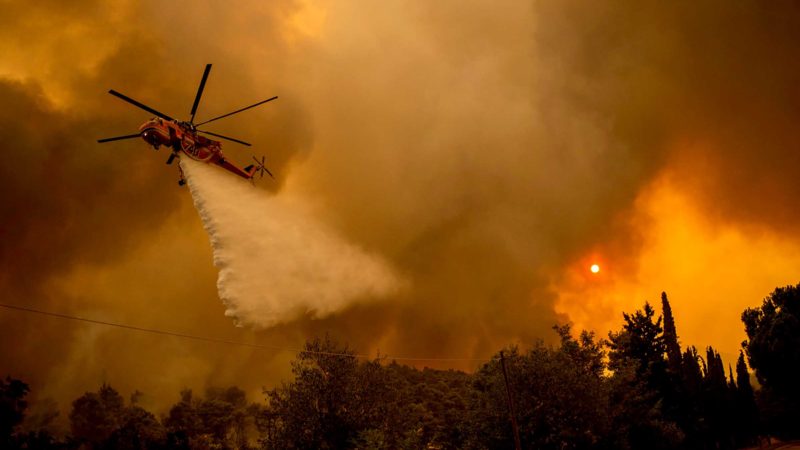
(150, 137)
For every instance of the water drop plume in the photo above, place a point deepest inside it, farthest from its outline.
(277, 261)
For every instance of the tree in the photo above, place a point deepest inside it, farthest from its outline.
(638, 421)
(313, 411)
(95, 415)
(559, 393)
(746, 421)
(219, 420)
(671, 344)
(335, 401)
(224, 414)
(138, 430)
(12, 407)
(641, 342)
(642, 389)
(691, 374)
(717, 402)
(182, 422)
(101, 420)
(773, 351)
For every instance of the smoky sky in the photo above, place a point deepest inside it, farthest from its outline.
(476, 146)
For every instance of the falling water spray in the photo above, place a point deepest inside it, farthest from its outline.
(277, 261)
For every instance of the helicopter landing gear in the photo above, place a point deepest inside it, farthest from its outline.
(182, 180)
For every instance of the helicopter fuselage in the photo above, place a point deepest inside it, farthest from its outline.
(180, 137)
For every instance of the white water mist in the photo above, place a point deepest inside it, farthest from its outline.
(276, 260)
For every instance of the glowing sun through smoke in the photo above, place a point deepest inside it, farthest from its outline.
(682, 254)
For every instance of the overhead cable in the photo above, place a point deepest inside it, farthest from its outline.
(225, 341)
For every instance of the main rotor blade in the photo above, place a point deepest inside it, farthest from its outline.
(238, 111)
(200, 91)
(118, 138)
(225, 137)
(140, 105)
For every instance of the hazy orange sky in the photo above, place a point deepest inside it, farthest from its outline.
(489, 151)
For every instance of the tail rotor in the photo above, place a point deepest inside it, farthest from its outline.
(261, 168)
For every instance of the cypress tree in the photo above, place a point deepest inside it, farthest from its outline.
(747, 419)
(670, 336)
(692, 373)
(717, 401)
(743, 378)
(731, 382)
(715, 370)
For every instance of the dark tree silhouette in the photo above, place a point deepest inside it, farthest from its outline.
(224, 413)
(183, 422)
(219, 420)
(773, 351)
(138, 430)
(95, 415)
(12, 407)
(645, 394)
(691, 373)
(691, 384)
(671, 344)
(717, 402)
(641, 342)
(100, 420)
(747, 420)
(678, 404)
(559, 392)
(642, 388)
(312, 411)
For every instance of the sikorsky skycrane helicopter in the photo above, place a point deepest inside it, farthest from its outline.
(183, 137)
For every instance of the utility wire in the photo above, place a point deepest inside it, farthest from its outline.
(224, 341)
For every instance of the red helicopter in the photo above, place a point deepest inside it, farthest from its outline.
(183, 137)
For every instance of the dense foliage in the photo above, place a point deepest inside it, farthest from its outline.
(635, 390)
(773, 350)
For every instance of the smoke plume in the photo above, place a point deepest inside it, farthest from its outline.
(488, 152)
(276, 261)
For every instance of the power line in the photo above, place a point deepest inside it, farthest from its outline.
(223, 341)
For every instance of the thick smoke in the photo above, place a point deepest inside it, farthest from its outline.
(480, 148)
(276, 261)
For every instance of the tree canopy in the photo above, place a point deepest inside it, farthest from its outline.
(773, 350)
(637, 389)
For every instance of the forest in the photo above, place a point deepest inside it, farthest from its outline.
(636, 388)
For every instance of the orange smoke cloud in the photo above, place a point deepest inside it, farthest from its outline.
(711, 270)
(489, 152)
